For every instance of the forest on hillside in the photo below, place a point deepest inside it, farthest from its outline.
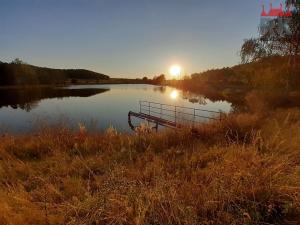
(20, 73)
(266, 73)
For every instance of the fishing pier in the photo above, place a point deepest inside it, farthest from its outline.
(171, 116)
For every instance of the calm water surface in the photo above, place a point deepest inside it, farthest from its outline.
(98, 106)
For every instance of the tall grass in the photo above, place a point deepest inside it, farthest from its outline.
(243, 170)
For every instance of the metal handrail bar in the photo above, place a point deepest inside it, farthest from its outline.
(177, 112)
(183, 118)
(190, 120)
(161, 110)
(189, 114)
(182, 112)
(179, 107)
(170, 116)
(170, 110)
(193, 121)
(164, 114)
(211, 118)
(147, 109)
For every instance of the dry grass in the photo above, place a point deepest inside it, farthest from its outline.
(245, 170)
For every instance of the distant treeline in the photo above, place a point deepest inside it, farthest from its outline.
(19, 73)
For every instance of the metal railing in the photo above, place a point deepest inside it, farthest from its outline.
(178, 114)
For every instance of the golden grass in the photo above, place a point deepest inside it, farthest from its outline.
(243, 170)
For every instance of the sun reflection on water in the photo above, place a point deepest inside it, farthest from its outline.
(174, 95)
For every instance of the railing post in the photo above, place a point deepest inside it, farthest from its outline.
(194, 117)
(149, 108)
(140, 106)
(175, 115)
(160, 110)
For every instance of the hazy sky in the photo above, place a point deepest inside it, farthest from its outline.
(129, 38)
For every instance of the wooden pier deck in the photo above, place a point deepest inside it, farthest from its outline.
(153, 119)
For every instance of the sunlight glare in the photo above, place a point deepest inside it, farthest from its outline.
(175, 71)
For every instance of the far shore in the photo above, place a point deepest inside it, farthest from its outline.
(80, 82)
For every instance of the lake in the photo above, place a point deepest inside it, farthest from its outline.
(97, 106)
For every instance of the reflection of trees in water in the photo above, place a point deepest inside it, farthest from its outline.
(194, 98)
(234, 96)
(28, 106)
(161, 89)
(29, 98)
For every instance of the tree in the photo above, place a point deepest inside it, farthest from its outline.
(276, 40)
(17, 61)
(252, 50)
(294, 25)
(160, 79)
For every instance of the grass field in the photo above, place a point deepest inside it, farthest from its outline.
(243, 170)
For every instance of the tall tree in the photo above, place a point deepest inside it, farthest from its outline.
(294, 25)
(281, 37)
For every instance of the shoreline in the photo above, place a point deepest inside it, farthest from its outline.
(79, 82)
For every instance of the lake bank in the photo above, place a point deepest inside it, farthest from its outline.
(238, 170)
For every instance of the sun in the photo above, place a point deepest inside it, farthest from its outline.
(175, 71)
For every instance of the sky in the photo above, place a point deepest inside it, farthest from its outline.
(127, 38)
